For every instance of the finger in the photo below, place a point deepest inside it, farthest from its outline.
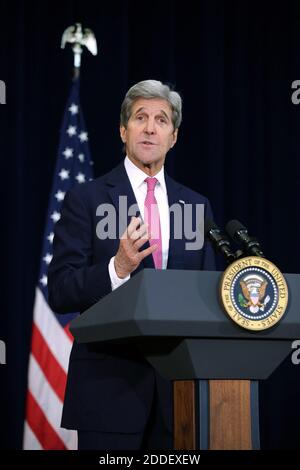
(142, 232)
(148, 251)
(134, 223)
(140, 242)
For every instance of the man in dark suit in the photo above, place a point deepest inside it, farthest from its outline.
(114, 398)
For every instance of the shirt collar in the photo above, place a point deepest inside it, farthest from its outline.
(137, 176)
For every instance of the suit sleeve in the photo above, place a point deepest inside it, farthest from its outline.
(74, 283)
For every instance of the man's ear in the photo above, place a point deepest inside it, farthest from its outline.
(174, 135)
(123, 134)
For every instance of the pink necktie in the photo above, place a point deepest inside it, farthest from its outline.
(152, 219)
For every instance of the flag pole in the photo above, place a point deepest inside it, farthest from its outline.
(74, 35)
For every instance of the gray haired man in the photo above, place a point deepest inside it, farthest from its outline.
(114, 398)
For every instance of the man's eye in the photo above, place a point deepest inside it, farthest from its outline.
(162, 120)
(140, 118)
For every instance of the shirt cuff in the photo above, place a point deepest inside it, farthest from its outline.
(115, 280)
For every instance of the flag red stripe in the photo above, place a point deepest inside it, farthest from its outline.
(68, 332)
(41, 427)
(50, 366)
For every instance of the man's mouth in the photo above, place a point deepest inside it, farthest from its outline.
(147, 142)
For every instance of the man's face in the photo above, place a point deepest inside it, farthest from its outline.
(149, 134)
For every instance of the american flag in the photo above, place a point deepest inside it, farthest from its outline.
(51, 340)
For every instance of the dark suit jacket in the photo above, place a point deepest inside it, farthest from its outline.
(110, 388)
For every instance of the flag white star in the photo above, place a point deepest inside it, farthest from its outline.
(47, 258)
(68, 152)
(71, 131)
(83, 136)
(80, 178)
(60, 195)
(44, 280)
(64, 174)
(55, 216)
(81, 157)
(73, 108)
(50, 237)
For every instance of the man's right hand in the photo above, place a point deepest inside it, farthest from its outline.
(128, 256)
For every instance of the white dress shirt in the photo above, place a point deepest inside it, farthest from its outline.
(137, 180)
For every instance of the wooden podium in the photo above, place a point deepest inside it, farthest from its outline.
(184, 333)
(230, 418)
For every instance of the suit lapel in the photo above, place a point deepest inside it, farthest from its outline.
(122, 195)
(119, 185)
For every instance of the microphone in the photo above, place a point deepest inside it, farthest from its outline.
(218, 239)
(238, 232)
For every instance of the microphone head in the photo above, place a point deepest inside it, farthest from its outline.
(208, 226)
(234, 226)
(218, 239)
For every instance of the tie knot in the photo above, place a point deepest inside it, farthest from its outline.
(151, 182)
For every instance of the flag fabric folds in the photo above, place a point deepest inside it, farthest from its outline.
(51, 340)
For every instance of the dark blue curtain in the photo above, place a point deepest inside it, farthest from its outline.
(232, 61)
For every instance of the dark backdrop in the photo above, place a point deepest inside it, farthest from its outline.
(233, 62)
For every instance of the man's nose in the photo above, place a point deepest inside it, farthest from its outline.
(150, 126)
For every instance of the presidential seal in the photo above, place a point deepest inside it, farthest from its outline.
(254, 293)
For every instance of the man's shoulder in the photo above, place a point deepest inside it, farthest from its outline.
(187, 194)
(94, 187)
(194, 195)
